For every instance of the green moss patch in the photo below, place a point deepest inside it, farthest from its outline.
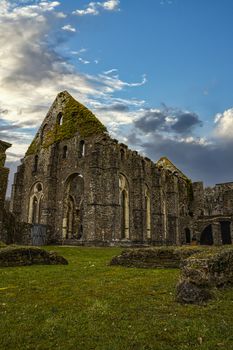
(76, 119)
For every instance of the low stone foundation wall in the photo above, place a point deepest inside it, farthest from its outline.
(23, 256)
(166, 257)
(204, 271)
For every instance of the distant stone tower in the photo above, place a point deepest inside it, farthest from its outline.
(3, 178)
(86, 188)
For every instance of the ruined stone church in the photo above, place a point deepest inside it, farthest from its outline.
(85, 187)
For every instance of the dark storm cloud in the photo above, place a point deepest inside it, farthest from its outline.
(169, 120)
(151, 121)
(212, 163)
(186, 122)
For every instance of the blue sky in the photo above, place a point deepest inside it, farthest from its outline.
(157, 73)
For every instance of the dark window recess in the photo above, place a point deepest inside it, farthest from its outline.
(65, 152)
(187, 236)
(226, 232)
(122, 154)
(81, 148)
(36, 160)
(207, 236)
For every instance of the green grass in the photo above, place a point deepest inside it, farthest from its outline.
(90, 305)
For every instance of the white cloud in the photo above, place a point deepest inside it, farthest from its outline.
(32, 72)
(111, 5)
(83, 61)
(224, 125)
(69, 28)
(110, 71)
(94, 8)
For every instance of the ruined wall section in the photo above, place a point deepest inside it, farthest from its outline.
(175, 203)
(68, 146)
(3, 178)
(218, 200)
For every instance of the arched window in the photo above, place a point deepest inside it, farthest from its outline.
(164, 209)
(73, 207)
(81, 148)
(35, 204)
(148, 212)
(124, 206)
(35, 166)
(65, 152)
(34, 210)
(60, 119)
(122, 154)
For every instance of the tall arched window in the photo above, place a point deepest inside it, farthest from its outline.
(81, 148)
(148, 212)
(124, 206)
(164, 208)
(35, 203)
(65, 152)
(73, 207)
(60, 119)
(70, 217)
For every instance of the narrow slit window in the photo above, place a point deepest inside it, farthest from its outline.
(36, 160)
(59, 119)
(81, 148)
(65, 152)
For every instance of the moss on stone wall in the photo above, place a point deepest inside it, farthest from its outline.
(76, 119)
(34, 146)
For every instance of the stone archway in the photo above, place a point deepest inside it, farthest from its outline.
(73, 207)
(207, 236)
(35, 203)
(226, 232)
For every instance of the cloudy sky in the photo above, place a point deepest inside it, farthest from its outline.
(158, 74)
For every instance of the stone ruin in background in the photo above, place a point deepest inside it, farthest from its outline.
(77, 185)
(4, 172)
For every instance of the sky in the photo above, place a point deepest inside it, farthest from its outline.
(157, 73)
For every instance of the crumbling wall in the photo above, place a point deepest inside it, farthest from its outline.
(204, 271)
(3, 180)
(156, 257)
(72, 142)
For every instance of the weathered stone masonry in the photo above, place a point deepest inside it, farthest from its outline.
(86, 188)
(3, 178)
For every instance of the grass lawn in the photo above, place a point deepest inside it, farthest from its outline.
(90, 305)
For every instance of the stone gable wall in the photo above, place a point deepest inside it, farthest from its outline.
(97, 210)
